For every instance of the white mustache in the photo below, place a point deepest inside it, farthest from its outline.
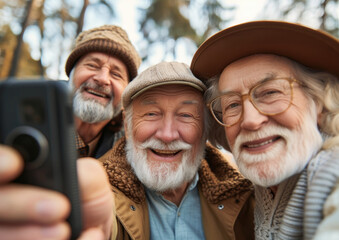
(268, 131)
(156, 144)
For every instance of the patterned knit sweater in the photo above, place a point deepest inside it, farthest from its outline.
(296, 210)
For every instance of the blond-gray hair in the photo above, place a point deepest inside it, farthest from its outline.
(320, 87)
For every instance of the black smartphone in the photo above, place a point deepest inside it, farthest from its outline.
(36, 118)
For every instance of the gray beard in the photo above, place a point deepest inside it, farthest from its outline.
(285, 159)
(91, 111)
(162, 177)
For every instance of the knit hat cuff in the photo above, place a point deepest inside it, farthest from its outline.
(104, 46)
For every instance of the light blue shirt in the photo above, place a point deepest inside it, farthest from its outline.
(167, 221)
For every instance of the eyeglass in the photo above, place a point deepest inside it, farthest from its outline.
(270, 97)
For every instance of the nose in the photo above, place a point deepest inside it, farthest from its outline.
(252, 119)
(102, 76)
(167, 131)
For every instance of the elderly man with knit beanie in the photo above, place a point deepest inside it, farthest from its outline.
(100, 66)
(167, 184)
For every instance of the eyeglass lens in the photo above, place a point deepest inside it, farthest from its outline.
(269, 98)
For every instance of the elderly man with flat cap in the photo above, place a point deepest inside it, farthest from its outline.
(167, 184)
(273, 90)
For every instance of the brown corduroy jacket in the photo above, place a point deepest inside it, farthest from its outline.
(226, 198)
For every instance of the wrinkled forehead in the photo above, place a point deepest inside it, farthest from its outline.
(247, 71)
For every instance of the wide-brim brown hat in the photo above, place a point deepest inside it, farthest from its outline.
(310, 47)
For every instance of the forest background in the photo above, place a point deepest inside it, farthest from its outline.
(36, 36)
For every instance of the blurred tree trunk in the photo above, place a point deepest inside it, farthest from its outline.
(16, 56)
(324, 15)
(41, 19)
(166, 22)
(328, 20)
(64, 16)
(81, 18)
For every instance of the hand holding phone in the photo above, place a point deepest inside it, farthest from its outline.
(37, 120)
(22, 216)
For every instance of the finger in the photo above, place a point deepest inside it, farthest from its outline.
(11, 164)
(92, 233)
(23, 203)
(93, 180)
(33, 232)
(97, 196)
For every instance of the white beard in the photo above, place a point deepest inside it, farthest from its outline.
(286, 158)
(90, 110)
(163, 176)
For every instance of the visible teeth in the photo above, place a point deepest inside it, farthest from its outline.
(260, 144)
(165, 151)
(96, 93)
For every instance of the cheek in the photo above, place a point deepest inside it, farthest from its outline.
(80, 76)
(192, 134)
(294, 117)
(118, 89)
(143, 132)
(291, 119)
(231, 134)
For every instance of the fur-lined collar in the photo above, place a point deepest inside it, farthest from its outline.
(218, 179)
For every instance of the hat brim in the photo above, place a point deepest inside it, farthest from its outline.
(312, 48)
(172, 82)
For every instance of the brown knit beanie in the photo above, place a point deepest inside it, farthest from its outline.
(109, 39)
(163, 73)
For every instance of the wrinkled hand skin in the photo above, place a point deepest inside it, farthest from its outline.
(29, 212)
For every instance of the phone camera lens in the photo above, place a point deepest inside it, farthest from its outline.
(31, 144)
(27, 146)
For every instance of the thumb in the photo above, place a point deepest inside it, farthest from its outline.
(96, 195)
(11, 164)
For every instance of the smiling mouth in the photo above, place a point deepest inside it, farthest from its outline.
(165, 153)
(258, 144)
(96, 93)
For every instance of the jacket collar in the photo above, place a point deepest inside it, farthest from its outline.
(218, 180)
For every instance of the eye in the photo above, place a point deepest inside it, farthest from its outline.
(232, 108)
(186, 115)
(232, 105)
(92, 65)
(269, 95)
(151, 116)
(267, 92)
(115, 74)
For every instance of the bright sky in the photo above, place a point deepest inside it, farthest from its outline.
(127, 18)
(246, 10)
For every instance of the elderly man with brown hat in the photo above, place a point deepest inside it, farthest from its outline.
(100, 66)
(273, 90)
(167, 183)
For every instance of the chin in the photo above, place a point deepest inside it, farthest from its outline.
(266, 174)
